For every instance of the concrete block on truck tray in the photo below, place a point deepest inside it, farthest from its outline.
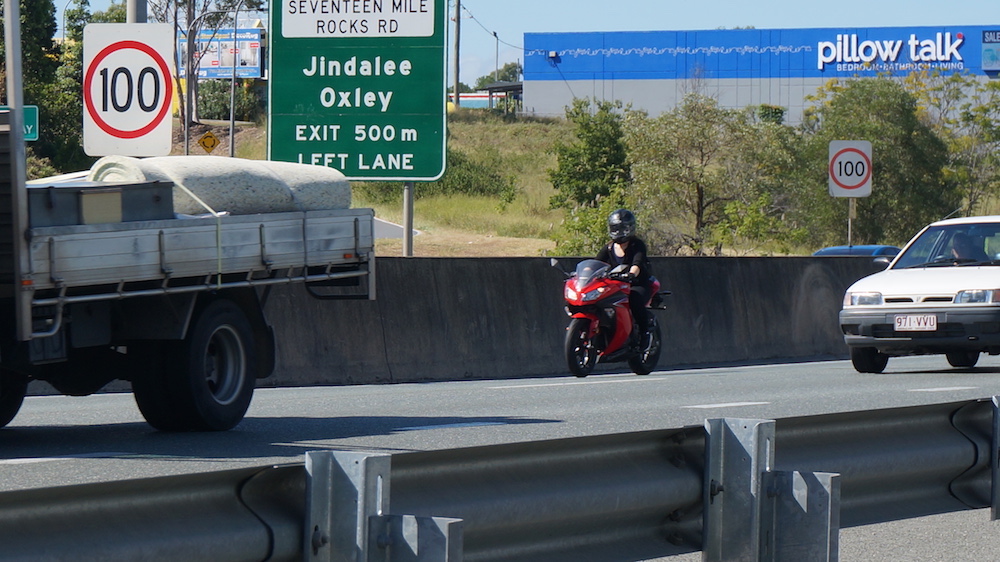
(234, 185)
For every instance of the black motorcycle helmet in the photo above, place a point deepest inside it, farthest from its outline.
(621, 225)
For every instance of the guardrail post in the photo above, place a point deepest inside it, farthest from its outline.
(805, 517)
(347, 519)
(343, 490)
(995, 462)
(738, 453)
(754, 513)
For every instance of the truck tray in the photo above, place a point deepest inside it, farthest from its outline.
(163, 250)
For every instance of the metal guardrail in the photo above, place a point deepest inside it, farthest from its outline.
(736, 489)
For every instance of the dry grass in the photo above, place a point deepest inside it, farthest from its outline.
(454, 227)
(445, 242)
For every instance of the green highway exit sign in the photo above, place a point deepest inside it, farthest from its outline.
(359, 85)
(30, 121)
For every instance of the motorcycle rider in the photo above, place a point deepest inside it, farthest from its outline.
(626, 248)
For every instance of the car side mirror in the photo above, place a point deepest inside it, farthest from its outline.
(884, 261)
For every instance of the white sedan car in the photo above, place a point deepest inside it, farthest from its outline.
(940, 295)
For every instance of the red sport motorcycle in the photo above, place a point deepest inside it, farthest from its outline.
(601, 328)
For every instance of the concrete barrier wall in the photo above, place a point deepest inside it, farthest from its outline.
(495, 318)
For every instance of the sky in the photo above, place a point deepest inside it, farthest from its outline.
(510, 19)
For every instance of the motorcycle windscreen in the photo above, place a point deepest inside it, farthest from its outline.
(588, 270)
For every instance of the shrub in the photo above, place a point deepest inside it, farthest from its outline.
(214, 96)
(464, 175)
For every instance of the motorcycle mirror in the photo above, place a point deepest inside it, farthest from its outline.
(555, 263)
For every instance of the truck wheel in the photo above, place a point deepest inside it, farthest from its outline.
(868, 360)
(962, 359)
(209, 379)
(12, 391)
(149, 376)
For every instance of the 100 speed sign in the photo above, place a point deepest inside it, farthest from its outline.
(127, 89)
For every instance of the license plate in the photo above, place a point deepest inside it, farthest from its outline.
(916, 322)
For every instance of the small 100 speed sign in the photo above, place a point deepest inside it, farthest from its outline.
(850, 168)
(127, 89)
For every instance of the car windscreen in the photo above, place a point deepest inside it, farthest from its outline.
(953, 245)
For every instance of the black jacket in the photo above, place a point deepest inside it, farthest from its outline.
(635, 254)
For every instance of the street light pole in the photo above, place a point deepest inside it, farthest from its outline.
(188, 66)
(232, 84)
(458, 32)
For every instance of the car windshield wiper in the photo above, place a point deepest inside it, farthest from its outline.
(946, 262)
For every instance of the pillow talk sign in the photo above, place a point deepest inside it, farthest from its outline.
(359, 85)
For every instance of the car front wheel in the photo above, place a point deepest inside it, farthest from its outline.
(868, 360)
(962, 359)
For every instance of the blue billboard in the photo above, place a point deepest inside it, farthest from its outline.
(761, 53)
(216, 51)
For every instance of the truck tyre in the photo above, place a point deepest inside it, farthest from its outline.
(868, 360)
(147, 363)
(209, 377)
(12, 392)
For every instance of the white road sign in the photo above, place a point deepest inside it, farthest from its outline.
(127, 88)
(850, 168)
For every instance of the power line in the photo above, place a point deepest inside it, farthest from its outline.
(488, 31)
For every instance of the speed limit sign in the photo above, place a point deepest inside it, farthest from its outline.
(127, 89)
(850, 168)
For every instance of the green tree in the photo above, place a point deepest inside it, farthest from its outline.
(463, 88)
(58, 101)
(596, 163)
(909, 188)
(585, 229)
(214, 97)
(690, 163)
(965, 112)
(762, 172)
(510, 72)
(117, 12)
(39, 53)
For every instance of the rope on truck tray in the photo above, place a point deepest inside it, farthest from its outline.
(218, 231)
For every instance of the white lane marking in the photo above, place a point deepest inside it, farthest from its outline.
(725, 405)
(632, 378)
(449, 425)
(663, 375)
(943, 389)
(34, 460)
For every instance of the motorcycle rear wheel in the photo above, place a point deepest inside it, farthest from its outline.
(580, 353)
(645, 362)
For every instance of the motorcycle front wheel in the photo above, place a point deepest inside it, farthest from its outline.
(580, 353)
(649, 355)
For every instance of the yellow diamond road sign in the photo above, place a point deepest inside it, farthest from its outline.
(208, 141)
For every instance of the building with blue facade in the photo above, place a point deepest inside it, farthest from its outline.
(741, 67)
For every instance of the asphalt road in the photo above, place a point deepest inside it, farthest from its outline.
(59, 440)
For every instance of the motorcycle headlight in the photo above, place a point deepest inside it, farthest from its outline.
(863, 299)
(570, 293)
(593, 295)
(978, 296)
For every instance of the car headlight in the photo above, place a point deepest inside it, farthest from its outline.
(863, 299)
(978, 296)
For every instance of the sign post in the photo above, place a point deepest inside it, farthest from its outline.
(362, 92)
(850, 171)
(127, 89)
